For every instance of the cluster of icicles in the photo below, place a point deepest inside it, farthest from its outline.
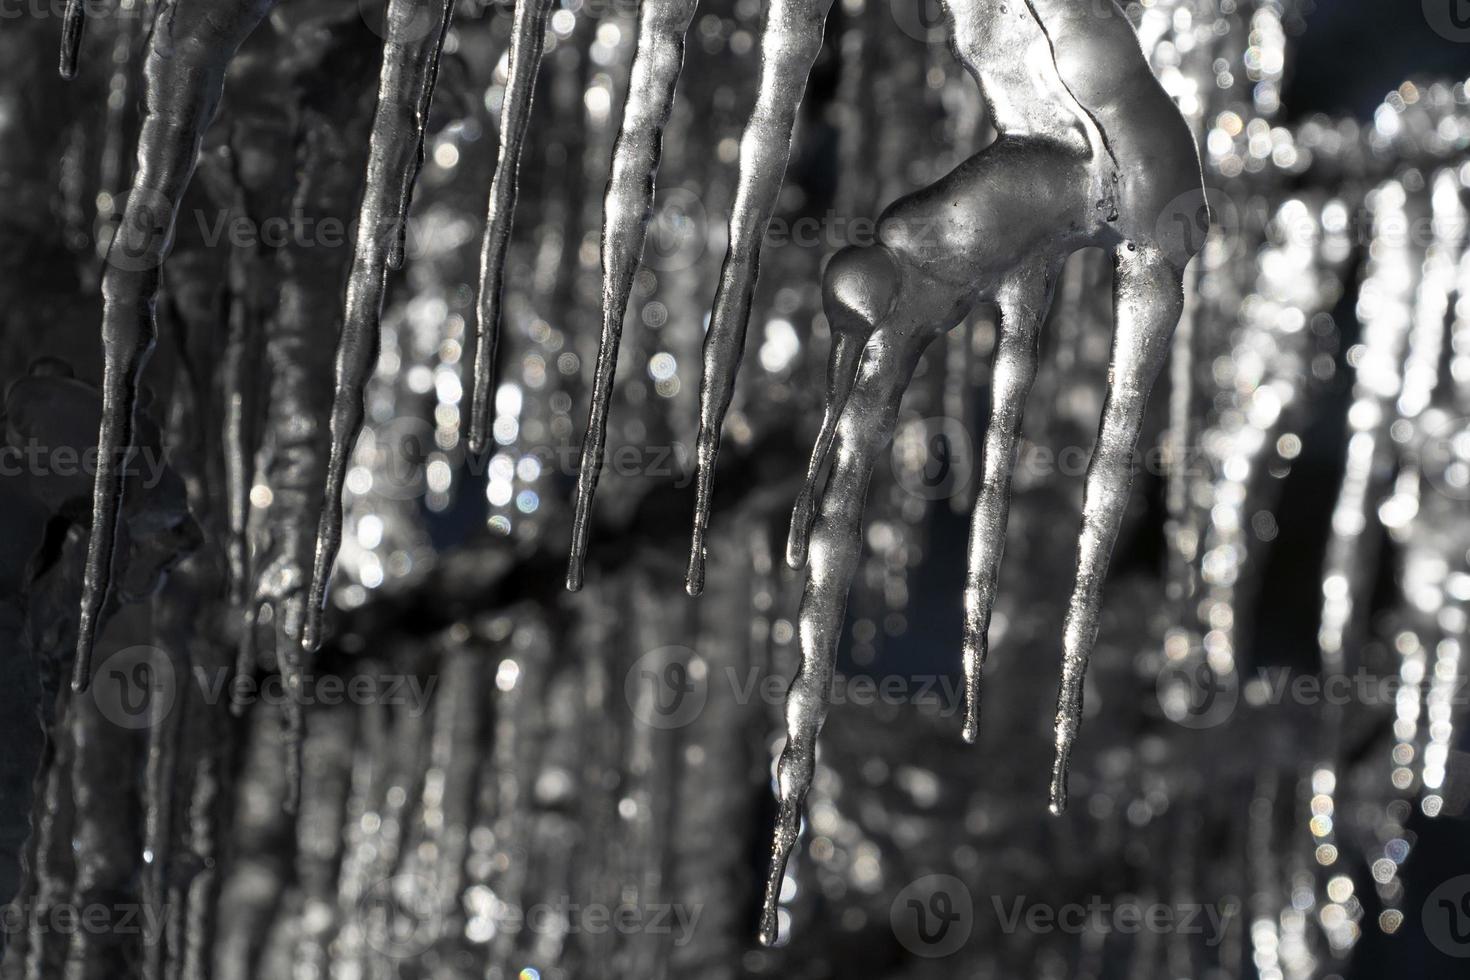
(184, 80)
(1237, 142)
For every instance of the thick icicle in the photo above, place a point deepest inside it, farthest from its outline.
(528, 39)
(867, 421)
(404, 86)
(184, 79)
(790, 43)
(626, 208)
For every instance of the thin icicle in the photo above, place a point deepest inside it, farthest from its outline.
(790, 43)
(161, 779)
(1148, 296)
(404, 85)
(626, 208)
(1182, 538)
(528, 39)
(1023, 303)
(239, 383)
(184, 79)
(73, 21)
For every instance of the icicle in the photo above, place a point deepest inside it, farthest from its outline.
(73, 21)
(263, 842)
(184, 77)
(399, 242)
(238, 381)
(790, 43)
(54, 857)
(867, 422)
(885, 304)
(627, 206)
(404, 86)
(108, 850)
(1023, 303)
(328, 776)
(1182, 537)
(161, 779)
(528, 38)
(1148, 296)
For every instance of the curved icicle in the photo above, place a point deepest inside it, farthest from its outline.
(1148, 296)
(1023, 303)
(856, 294)
(865, 427)
(184, 79)
(404, 88)
(626, 208)
(790, 43)
(528, 39)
